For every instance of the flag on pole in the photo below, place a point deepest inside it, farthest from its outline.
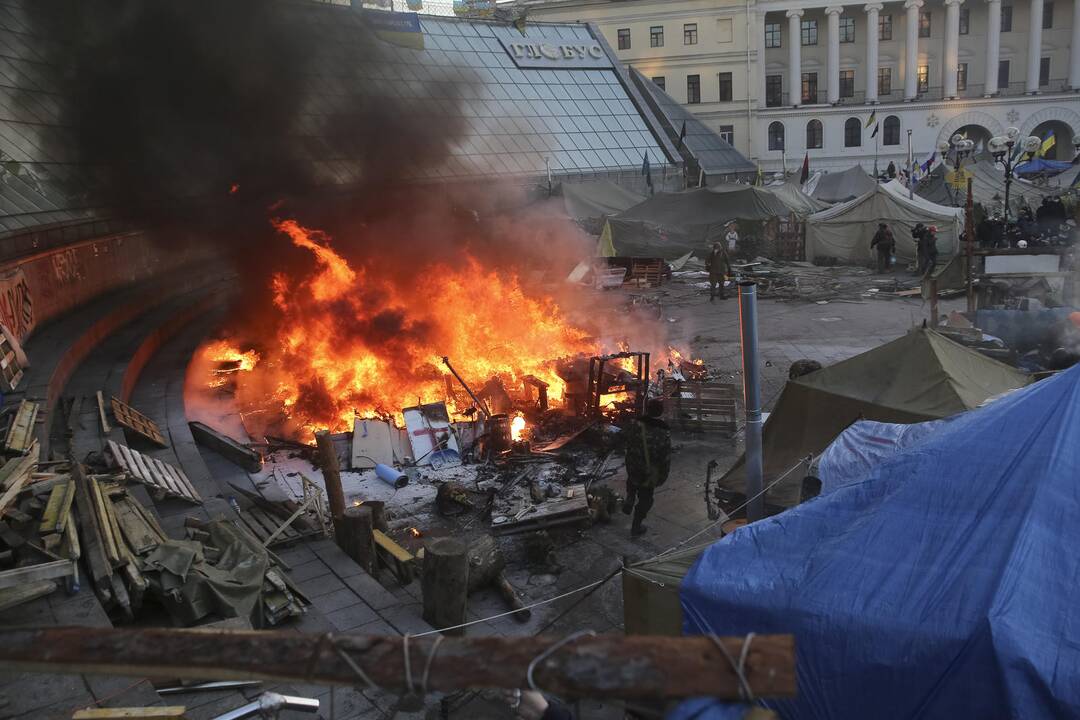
(647, 171)
(805, 174)
(876, 126)
(925, 167)
(872, 119)
(682, 136)
(1047, 143)
(519, 24)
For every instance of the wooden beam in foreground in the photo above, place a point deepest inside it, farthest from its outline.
(604, 666)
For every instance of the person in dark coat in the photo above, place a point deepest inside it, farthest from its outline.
(928, 250)
(891, 171)
(648, 462)
(718, 263)
(884, 242)
(917, 235)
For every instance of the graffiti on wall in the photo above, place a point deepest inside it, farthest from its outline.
(16, 305)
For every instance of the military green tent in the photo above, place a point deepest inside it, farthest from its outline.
(669, 225)
(920, 376)
(651, 592)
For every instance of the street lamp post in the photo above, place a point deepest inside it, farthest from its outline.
(1001, 147)
(961, 149)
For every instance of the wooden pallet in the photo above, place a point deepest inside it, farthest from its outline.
(163, 479)
(10, 370)
(263, 525)
(131, 418)
(646, 273)
(550, 513)
(21, 433)
(698, 406)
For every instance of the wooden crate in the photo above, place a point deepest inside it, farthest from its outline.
(10, 370)
(646, 273)
(131, 418)
(700, 406)
(162, 478)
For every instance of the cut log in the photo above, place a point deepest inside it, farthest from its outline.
(602, 667)
(445, 583)
(355, 536)
(328, 459)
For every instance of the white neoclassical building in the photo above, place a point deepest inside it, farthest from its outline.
(795, 77)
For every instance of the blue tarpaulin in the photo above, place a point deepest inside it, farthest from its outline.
(1041, 166)
(941, 583)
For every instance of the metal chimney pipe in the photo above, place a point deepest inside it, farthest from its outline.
(752, 399)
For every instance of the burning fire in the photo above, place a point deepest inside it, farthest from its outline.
(517, 427)
(355, 343)
(415, 532)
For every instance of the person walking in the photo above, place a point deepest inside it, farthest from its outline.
(648, 462)
(718, 263)
(928, 251)
(884, 242)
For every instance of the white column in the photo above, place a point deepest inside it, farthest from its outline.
(952, 47)
(1074, 49)
(759, 28)
(1035, 18)
(911, 49)
(872, 11)
(795, 56)
(833, 14)
(993, 46)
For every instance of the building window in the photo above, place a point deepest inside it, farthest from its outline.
(772, 35)
(853, 133)
(809, 32)
(847, 29)
(726, 133)
(924, 78)
(924, 23)
(1044, 72)
(689, 34)
(660, 82)
(1006, 18)
(965, 21)
(1048, 15)
(776, 136)
(814, 134)
(624, 38)
(884, 81)
(961, 77)
(809, 88)
(774, 90)
(847, 83)
(891, 131)
(656, 36)
(725, 87)
(884, 27)
(693, 89)
(724, 31)
(1003, 74)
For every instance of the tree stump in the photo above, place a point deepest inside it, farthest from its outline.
(331, 473)
(355, 536)
(445, 583)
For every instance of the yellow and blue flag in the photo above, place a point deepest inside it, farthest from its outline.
(872, 119)
(1047, 143)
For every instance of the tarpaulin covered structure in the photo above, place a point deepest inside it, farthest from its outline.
(919, 376)
(796, 200)
(843, 186)
(936, 582)
(987, 188)
(669, 225)
(844, 231)
(594, 200)
(1041, 167)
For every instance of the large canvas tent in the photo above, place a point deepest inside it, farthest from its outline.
(669, 225)
(844, 231)
(843, 186)
(937, 582)
(597, 199)
(920, 376)
(796, 200)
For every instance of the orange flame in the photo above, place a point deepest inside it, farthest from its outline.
(356, 344)
(517, 428)
(222, 351)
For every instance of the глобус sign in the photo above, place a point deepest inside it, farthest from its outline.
(553, 54)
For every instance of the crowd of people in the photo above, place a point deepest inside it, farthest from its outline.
(1047, 225)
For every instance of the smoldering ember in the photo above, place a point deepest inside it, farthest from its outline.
(476, 359)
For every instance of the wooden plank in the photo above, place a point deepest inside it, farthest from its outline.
(17, 595)
(18, 476)
(21, 432)
(138, 533)
(101, 413)
(112, 549)
(183, 484)
(233, 451)
(52, 509)
(132, 713)
(65, 507)
(90, 538)
(154, 473)
(131, 418)
(35, 573)
(385, 542)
